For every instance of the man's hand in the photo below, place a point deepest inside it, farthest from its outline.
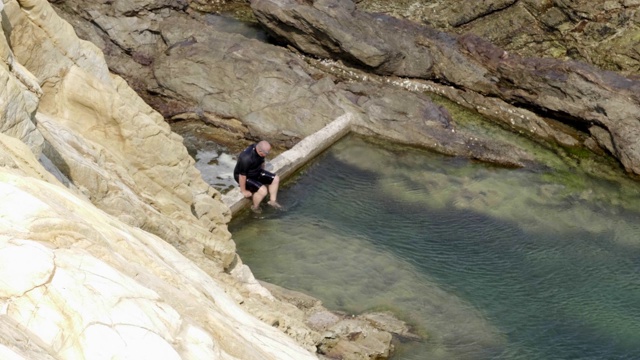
(247, 194)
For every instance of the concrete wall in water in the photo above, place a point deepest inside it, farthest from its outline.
(289, 161)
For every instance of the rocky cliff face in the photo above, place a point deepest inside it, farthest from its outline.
(124, 253)
(182, 63)
(111, 244)
(602, 105)
(598, 32)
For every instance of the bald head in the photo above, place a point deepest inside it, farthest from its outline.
(263, 148)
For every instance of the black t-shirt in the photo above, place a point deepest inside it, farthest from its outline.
(249, 163)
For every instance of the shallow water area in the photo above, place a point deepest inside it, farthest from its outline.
(484, 262)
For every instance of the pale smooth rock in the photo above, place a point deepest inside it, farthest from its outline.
(199, 344)
(125, 342)
(244, 274)
(88, 308)
(35, 22)
(121, 264)
(115, 149)
(23, 265)
(8, 354)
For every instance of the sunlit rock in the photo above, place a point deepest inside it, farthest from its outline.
(82, 284)
(121, 254)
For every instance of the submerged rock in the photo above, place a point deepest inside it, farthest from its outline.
(343, 336)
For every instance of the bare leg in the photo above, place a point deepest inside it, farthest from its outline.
(258, 196)
(273, 192)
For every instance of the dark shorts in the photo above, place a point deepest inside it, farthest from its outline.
(265, 178)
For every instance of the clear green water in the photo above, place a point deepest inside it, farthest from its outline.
(487, 263)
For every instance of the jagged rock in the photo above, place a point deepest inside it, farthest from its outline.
(352, 339)
(273, 93)
(599, 32)
(79, 284)
(387, 322)
(576, 91)
(342, 336)
(93, 269)
(110, 143)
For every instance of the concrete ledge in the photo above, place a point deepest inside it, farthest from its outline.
(291, 160)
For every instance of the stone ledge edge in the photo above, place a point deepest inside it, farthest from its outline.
(291, 160)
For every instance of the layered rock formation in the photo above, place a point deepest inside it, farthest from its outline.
(111, 244)
(187, 66)
(151, 45)
(80, 284)
(603, 103)
(598, 32)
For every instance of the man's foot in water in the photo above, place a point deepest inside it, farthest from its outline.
(256, 210)
(275, 205)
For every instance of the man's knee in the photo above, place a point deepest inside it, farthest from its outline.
(276, 180)
(262, 191)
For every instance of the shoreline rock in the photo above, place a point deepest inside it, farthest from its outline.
(344, 336)
(602, 104)
(595, 31)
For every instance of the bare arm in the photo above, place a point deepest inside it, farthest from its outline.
(242, 181)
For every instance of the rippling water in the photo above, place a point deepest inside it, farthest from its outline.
(486, 263)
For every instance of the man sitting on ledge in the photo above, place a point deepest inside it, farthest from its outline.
(253, 179)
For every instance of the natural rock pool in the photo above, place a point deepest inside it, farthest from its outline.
(485, 262)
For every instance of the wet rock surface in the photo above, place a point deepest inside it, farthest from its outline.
(577, 93)
(343, 336)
